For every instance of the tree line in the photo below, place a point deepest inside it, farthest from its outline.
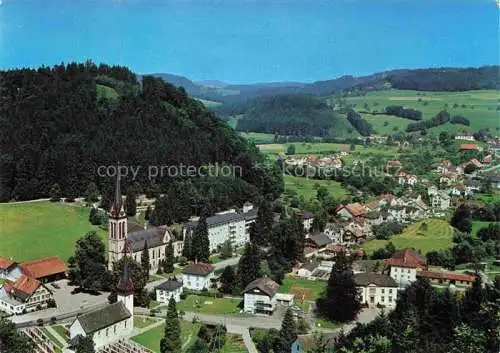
(406, 113)
(361, 125)
(56, 133)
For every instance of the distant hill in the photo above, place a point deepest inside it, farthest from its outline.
(434, 79)
(292, 115)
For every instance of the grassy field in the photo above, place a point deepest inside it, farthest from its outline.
(307, 188)
(310, 289)
(326, 148)
(208, 305)
(478, 106)
(144, 321)
(258, 137)
(489, 198)
(234, 344)
(52, 337)
(36, 229)
(151, 339)
(63, 332)
(106, 92)
(439, 235)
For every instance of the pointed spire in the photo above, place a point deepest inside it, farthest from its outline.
(118, 194)
(125, 285)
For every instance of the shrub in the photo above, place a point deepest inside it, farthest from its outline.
(39, 322)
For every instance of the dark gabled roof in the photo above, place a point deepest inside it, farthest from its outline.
(321, 239)
(199, 269)
(169, 285)
(364, 279)
(265, 285)
(154, 237)
(251, 215)
(103, 317)
(310, 266)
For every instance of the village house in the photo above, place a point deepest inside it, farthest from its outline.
(172, 288)
(307, 269)
(351, 210)
(317, 240)
(439, 200)
(9, 269)
(404, 265)
(460, 190)
(468, 147)
(307, 219)
(26, 294)
(386, 200)
(335, 232)
(198, 276)
(259, 296)
(376, 289)
(468, 136)
(406, 178)
(110, 323)
(448, 178)
(46, 269)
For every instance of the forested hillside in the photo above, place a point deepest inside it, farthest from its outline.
(54, 131)
(292, 115)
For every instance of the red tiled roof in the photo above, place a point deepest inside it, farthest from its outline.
(43, 267)
(388, 197)
(26, 284)
(406, 258)
(372, 205)
(199, 269)
(5, 263)
(449, 276)
(356, 209)
(468, 147)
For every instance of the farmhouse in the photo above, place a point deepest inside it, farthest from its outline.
(260, 296)
(307, 219)
(386, 199)
(335, 232)
(468, 136)
(307, 269)
(9, 269)
(468, 147)
(447, 278)
(46, 269)
(169, 289)
(24, 295)
(111, 322)
(404, 265)
(317, 241)
(376, 289)
(351, 210)
(198, 276)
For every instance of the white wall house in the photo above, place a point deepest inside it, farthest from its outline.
(9, 269)
(260, 296)
(169, 289)
(198, 276)
(404, 265)
(111, 322)
(24, 295)
(376, 289)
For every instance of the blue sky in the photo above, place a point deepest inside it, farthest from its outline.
(245, 41)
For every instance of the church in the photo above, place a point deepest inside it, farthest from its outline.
(110, 323)
(121, 242)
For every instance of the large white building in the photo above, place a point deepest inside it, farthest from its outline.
(121, 242)
(228, 225)
(198, 276)
(376, 289)
(111, 322)
(260, 296)
(404, 265)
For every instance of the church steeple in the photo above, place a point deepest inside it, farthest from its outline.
(117, 226)
(125, 290)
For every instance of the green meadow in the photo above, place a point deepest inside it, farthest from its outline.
(308, 188)
(436, 235)
(105, 92)
(151, 339)
(35, 229)
(480, 107)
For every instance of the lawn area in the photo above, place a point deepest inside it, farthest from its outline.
(36, 229)
(324, 323)
(153, 278)
(438, 235)
(298, 286)
(234, 344)
(52, 338)
(151, 339)
(476, 225)
(63, 332)
(478, 106)
(106, 92)
(209, 305)
(308, 188)
(489, 198)
(258, 137)
(144, 321)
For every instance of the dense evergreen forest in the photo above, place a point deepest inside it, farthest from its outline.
(54, 130)
(292, 115)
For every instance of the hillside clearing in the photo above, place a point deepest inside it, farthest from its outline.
(308, 188)
(436, 236)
